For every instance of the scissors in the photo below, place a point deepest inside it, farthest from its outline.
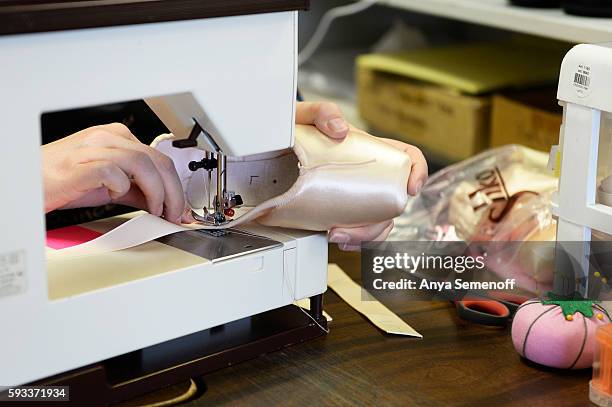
(495, 308)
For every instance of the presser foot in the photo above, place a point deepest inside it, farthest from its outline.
(212, 219)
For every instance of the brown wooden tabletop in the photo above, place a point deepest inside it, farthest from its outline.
(456, 364)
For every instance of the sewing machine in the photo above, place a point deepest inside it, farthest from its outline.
(222, 77)
(584, 201)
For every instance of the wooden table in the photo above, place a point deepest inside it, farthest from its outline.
(456, 364)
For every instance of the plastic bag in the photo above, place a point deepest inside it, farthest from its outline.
(501, 195)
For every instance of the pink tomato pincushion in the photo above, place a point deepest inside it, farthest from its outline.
(558, 333)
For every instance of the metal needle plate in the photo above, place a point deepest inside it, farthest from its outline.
(217, 245)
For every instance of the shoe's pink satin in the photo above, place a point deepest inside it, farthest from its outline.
(354, 182)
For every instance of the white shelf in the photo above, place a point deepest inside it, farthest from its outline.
(550, 23)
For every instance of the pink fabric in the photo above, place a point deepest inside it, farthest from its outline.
(554, 341)
(70, 236)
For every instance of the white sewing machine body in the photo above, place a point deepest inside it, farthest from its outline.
(240, 71)
(585, 86)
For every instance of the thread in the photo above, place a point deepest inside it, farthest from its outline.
(285, 281)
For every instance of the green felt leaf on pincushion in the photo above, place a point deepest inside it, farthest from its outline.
(571, 304)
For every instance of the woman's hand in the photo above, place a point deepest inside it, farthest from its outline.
(105, 164)
(329, 120)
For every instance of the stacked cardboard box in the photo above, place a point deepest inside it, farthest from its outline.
(440, 99)
(530, 117)
(446, 123)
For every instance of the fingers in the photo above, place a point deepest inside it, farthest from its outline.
(383, 236)
(134, 198)
(118, 136)
(119, 129)
(187, 216)
(385, 233)
(350, 238)
(100, 175)
(419, 171)
(326, 116)
(135, 165)
(174, 201)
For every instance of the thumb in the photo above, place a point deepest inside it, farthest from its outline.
(326, 116)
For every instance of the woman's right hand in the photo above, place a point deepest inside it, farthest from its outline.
(108, 164)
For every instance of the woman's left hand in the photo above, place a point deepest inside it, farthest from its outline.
(328, 118)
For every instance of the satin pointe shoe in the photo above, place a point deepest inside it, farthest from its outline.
(319, 184)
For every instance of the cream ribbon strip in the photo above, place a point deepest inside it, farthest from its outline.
(136, 231)
(142, 229)
(372, 309)
(145, 227)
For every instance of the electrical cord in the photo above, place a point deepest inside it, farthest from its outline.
(330, 15)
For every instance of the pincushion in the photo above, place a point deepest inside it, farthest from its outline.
(558, 333)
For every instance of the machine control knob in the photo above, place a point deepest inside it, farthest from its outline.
(206, 163)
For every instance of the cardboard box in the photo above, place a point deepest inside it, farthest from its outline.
(531, 118)
(448, 124)
(476, 68)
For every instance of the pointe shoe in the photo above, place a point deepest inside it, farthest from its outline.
(321, 184)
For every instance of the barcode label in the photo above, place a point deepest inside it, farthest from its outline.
(581, 79)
